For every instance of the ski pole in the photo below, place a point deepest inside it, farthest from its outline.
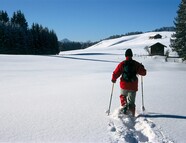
(143, 108)
(110, 99)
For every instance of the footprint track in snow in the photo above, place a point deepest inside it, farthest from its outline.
(126, 129)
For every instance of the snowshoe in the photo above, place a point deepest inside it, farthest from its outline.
(124, 110)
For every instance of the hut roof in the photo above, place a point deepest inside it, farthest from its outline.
(158, 43)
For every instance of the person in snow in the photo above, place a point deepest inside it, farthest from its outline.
(128, 70)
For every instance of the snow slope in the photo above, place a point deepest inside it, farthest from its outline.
(63, 98)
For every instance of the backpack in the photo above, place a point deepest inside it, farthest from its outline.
(129, 71)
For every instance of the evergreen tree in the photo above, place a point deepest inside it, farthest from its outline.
(4, 16)
(44, 41)
(2, 37)
(178, 41)
(35, 36)
(18, 19)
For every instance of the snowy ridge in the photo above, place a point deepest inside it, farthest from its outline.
(125, 129)
(135, 40)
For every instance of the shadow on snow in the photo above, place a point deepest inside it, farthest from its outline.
(85, 59)
(160, 115)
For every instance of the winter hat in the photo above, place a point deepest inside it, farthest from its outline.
(128, 53)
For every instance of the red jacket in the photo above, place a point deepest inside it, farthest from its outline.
(128, 85)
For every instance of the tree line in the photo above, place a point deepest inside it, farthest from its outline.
(17, 38)
(171, 28)
(72, 45)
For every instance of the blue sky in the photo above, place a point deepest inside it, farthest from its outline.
(83, 20)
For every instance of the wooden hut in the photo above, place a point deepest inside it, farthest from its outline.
(157, 36)
(157, 49)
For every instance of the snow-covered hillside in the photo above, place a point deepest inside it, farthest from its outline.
(64, 98)
(135, 41)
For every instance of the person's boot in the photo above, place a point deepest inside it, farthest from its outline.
(132, 109)
(124, 105)
(125, 109)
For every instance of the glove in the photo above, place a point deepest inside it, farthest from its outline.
(113, 81)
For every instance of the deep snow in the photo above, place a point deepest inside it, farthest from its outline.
(63, 98)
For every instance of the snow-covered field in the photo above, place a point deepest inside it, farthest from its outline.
(63, 98)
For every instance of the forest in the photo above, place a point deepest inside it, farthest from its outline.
(17, 38)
